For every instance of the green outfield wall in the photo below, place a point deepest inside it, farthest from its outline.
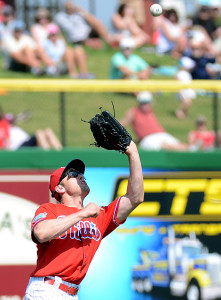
(96, 157)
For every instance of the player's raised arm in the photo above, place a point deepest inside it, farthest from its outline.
(135, 190)
(112, 135)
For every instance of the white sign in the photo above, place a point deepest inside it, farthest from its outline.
(16, 247)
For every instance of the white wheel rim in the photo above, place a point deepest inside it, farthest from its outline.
(193, 293)
(139, 286)
(147, 285)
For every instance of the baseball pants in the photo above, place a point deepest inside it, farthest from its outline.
(37, 289)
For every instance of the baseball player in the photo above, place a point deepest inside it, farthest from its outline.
(68, 234)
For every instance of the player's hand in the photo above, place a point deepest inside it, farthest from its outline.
(92, 210)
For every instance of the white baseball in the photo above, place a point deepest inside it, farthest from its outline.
(156, 10)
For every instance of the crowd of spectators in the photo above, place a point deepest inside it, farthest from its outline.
(55, 45)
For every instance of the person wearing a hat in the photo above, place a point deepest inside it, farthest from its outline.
(23, 52)
(149, 132)
(66, 59)
(201, 138)
(127, 65)
(68, 232)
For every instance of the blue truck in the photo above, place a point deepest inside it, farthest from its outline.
(183, 265)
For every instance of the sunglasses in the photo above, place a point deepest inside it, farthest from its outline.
(70, 173)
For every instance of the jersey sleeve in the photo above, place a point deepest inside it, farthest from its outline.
(44, 212)
(118, 60)
(111, 217)
(141, 63)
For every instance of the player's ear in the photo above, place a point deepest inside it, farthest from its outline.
(60, 189)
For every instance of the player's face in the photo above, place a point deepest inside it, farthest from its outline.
(75, 180)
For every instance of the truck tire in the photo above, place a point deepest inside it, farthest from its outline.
(193, 291)
(147, 285)
(139, 286)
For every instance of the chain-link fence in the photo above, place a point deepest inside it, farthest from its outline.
(63, 111)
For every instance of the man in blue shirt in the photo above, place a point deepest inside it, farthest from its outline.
(126, 65)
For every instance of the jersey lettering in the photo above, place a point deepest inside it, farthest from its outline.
(82, 230)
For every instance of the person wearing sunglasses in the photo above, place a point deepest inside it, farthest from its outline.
(68, 233)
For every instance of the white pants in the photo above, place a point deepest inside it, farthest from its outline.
(155, 141)
(38, 289)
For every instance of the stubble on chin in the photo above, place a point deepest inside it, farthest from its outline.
(85, 189)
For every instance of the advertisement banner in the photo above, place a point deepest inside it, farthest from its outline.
(20, 195)
(168, 248)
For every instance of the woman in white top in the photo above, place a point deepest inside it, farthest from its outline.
(172, 39)
(65, 58)
(125, 24)
(39, 28)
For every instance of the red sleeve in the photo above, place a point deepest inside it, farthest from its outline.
(6, 126)
(44, 212)
(111, 216)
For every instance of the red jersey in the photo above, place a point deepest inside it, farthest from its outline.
(145, 123)
(69, 255)
(4, 133)
(206, 138)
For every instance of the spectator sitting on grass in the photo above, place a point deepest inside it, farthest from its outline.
(151, 135)
(206, 65)
(204, 19)
(7, 25)
(82, 28)
(23, 53)
(43, 138)
(4, 131)
(125, 24)
(126, 65)
(64, 57)
(201, 138)
(172, 39)
(39, 28)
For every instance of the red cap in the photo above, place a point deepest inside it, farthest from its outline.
(76, 164)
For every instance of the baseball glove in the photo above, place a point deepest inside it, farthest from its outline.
(109, 133)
